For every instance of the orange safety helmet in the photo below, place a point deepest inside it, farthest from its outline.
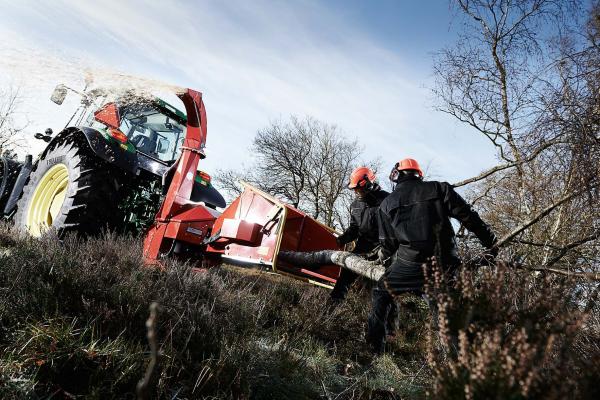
(408, 164)
(361, 177)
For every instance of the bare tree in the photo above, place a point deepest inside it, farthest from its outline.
(304, 162)
(490, 78)
(283, 153)
(10, 129)
(229, 180)
(532, 91)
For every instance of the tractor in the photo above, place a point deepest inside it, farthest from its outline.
(106, 170)
(131, 165)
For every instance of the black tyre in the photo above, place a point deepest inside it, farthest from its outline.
(69, 190)
(9, 171)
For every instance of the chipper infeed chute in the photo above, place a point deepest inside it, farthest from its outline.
(256, 227)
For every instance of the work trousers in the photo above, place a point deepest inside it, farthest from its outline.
(377, 324)
(383, 317)
(401, 277)
(340, 291)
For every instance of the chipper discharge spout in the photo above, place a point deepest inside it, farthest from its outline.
(181, 221)
(256, 228)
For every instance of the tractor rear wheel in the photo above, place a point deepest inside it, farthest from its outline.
(69, 190)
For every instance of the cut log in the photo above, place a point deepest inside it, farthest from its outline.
(369, 269)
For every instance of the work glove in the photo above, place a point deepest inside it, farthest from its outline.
(344, 244)
(373, 255)
(383, 258)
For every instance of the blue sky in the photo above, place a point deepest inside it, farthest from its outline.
(365, 66)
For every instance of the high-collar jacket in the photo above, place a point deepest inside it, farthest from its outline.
(414, 222)
(363, 222)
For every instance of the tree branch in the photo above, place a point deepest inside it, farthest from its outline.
(590, 276)
(538, 217)
(499, 168)
(570, 246)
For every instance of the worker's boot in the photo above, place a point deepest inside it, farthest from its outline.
(341, 288)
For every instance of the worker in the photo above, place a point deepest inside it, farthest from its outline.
(414, 225)
(363, 225)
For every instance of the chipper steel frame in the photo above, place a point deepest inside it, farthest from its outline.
(252, 230)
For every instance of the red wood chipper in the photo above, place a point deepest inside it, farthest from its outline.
(253, 229)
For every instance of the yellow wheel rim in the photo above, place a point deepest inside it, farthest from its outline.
(47, 200)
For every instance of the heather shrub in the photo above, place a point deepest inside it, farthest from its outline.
(72, 323)
(73, 314)
(503, 333)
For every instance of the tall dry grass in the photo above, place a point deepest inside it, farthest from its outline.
(72, 325)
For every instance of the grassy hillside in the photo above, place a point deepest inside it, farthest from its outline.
(72, 324)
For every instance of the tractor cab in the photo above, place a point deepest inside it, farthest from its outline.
(149, 126)
(148, 133)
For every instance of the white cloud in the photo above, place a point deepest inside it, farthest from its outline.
(254, 62)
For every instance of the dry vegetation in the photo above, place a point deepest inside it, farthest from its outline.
(72, 314)
(72, 324)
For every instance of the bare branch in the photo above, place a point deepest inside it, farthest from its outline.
(574, 244)
(503, 167)
(590, 276)
(536, 218)
(143, 386)
(10, 129)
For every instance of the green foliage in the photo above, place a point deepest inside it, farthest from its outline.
(140, 202)
(61, 358)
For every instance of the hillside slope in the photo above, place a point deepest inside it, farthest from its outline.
(73, 315)
(72, 323)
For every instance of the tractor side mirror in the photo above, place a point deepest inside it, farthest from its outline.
(46, 136)
(43, 137)
(59, 94)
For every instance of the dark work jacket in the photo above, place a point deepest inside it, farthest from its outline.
(414, 224)
(363, 222)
